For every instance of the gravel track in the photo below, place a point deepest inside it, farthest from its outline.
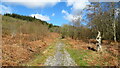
(60, 58)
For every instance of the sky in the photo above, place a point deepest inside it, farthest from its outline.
(53, 11)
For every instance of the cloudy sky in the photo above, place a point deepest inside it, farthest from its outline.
(53, 11)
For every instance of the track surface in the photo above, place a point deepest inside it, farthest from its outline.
(60, 58)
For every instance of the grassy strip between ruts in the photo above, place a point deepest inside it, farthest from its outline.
(40, 58)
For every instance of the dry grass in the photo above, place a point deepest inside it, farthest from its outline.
(21, 40)
(19, 50)
(108, 57)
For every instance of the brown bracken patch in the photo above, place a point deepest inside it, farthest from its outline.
(108, 57)
(19, 49)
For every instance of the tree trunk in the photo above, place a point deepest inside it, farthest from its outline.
(114, 28)
(98, 38)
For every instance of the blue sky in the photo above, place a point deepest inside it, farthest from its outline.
(57, 19)
(57, 13)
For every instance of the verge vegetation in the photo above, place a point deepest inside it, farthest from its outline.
(23, 39)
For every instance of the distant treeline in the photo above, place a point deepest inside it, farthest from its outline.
(29, 18)
(103, 17)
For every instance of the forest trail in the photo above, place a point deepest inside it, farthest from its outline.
(61, 57)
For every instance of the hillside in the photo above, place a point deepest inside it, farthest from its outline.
(30, 19)
(23, 39)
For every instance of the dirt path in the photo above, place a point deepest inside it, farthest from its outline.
(60, 58)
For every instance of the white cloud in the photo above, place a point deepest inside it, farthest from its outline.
(5, 9)
(41, 17)
(117, 11)
(77, 4)
(77, 7)
(33, 3)
(71, 17)
(65, 12)
(53, 14)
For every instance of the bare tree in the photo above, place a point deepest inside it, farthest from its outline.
(114, 23)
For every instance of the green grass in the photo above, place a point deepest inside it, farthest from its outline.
(85, 57)
(41, 57)
(78, 56)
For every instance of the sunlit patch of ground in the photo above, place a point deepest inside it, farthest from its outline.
(88, 57)
(20, 48)
(41, 57)
(61, 57)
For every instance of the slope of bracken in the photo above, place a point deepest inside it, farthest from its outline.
(108, 56)
(19, 49)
